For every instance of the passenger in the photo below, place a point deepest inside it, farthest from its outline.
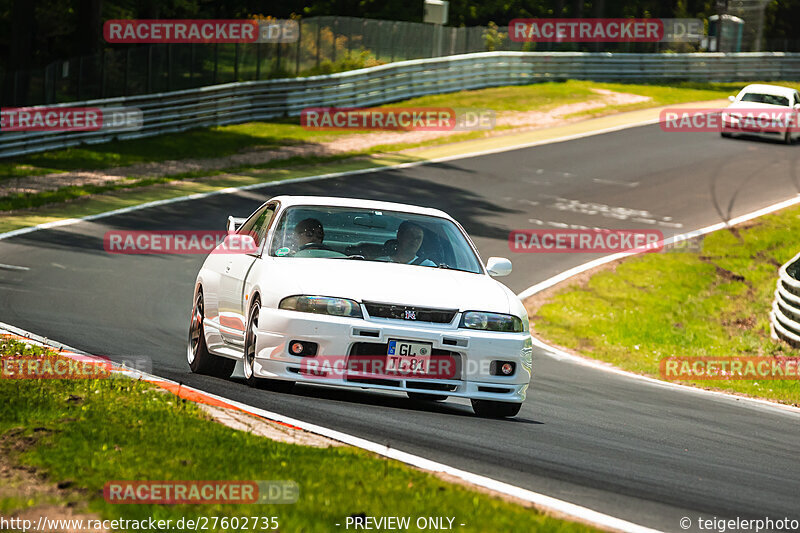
(409, 241)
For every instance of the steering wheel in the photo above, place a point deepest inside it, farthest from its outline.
(313, 246)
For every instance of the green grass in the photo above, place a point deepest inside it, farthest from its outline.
(228, 140)
(712, 303)
(88, 432)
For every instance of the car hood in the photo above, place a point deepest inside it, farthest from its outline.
(758, 105)
(389, 283)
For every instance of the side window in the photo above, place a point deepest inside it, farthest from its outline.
(258, 223)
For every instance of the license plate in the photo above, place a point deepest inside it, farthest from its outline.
(408, 357)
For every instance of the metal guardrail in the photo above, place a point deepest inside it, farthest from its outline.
(785, 314)
(262, 100)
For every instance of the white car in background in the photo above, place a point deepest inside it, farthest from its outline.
(756, 97)
(364, 294)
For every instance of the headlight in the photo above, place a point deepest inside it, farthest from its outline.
(490, 321)
(323, 305)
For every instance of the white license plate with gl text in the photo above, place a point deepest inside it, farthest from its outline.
(408, 357)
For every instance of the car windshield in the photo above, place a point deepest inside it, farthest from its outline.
(772, 99)
(372, 235)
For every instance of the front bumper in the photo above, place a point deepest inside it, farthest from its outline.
(341, 337)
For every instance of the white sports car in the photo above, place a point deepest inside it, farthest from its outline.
(363, 294)
(759, 109)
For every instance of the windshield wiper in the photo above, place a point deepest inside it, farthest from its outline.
(355, 256)
(443, 265)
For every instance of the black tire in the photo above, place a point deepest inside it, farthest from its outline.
(250, 353)
(425, 397)
(493, 409)
(787, 137)
(201, 361)
(726, 134)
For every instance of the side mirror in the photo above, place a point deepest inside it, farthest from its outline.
(498, 266)
(234, 223)
(797, 107)
(732, 98)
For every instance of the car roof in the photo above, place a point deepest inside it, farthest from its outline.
(768, 89)
(333, 201)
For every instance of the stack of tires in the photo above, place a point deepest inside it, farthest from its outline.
(785, 314)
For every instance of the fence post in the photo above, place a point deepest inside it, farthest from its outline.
(150, 69)
(299, 39)
(378, 47)
(216, 57)
(258, 61)
(335, 27)
(319, 41)
(169, 67)
(391, 41)
(236, 62)
(80, 76)
(191, 64)
(103, 73)
(127, 71)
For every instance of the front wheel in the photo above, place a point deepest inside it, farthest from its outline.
(726, 135)
(250, 355)
(787, 137)
(201, 361)
(493, 409)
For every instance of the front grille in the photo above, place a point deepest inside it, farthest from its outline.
(410, 313)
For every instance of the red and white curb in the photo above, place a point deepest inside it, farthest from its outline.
(540, 501)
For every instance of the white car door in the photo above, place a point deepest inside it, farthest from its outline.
(232, 309)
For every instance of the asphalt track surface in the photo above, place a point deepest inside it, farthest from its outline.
(621, 446)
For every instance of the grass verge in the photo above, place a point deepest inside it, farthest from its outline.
(228, 140)
(80, 434)
(712, 303)
(84, 204)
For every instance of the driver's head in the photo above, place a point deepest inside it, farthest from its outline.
(409, 239)
(309, 231)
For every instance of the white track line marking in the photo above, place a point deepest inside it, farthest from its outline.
(12, 267)
(229, 190)
(565, 356)
(541, 501)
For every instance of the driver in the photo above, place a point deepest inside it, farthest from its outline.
(409, 241)
(308, 233)
(308, 237)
